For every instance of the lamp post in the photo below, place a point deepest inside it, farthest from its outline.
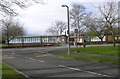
(68, 28)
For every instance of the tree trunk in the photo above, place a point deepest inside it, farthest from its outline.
(84, 42)
(7, 40)
(101, 40)
(113, 38)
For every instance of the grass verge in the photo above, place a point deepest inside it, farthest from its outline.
(103, 50)
(2, 45)
(9, 73)
(0, 70)
(96, 59)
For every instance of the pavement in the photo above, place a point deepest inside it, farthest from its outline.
(0, 63)
(39, 62)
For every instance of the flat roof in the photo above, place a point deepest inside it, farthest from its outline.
(43, 36)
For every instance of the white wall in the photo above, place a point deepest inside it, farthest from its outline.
(97, 39)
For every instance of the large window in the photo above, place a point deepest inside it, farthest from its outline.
(50, 39)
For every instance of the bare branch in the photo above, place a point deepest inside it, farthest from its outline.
(7, 6)
(57, 28)
(110, 16)
(11, 29)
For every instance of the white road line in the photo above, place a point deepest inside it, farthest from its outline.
(40, 60)
(39, 51)
(27, 57)
(37, 56)
(31, 58)
(84, 71)
(34, 59)
(74, 69)
(97, 73)
(71, 68)
(61, 66)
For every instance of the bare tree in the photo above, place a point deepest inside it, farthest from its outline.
(109, 16)
(7, 6)
(76, 16)
(96, 25)
(52, 30)
(57, 28)
(11, 29)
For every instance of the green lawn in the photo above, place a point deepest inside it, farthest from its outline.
(8, 73)
(2, 45)
(96, 59)
(0, 70)
(103, 50)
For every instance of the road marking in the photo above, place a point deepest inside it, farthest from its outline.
(27, 57)
(41, 52)
(40, 60)
(37, 56)
(10, 57)
(97, 73)
(34, 59)
(71, 68)
(31, 58)
(61, 66)
(74, 69)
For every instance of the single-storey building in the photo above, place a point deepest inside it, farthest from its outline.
(37, 40)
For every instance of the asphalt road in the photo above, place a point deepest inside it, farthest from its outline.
(41, 62)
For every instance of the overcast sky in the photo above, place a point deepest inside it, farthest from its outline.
(37, 18)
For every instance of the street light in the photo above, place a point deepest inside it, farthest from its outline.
(68, 28)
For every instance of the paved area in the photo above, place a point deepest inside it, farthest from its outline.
(0, 63)
(44, 62)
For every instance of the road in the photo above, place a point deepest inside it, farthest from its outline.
(40, 62)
